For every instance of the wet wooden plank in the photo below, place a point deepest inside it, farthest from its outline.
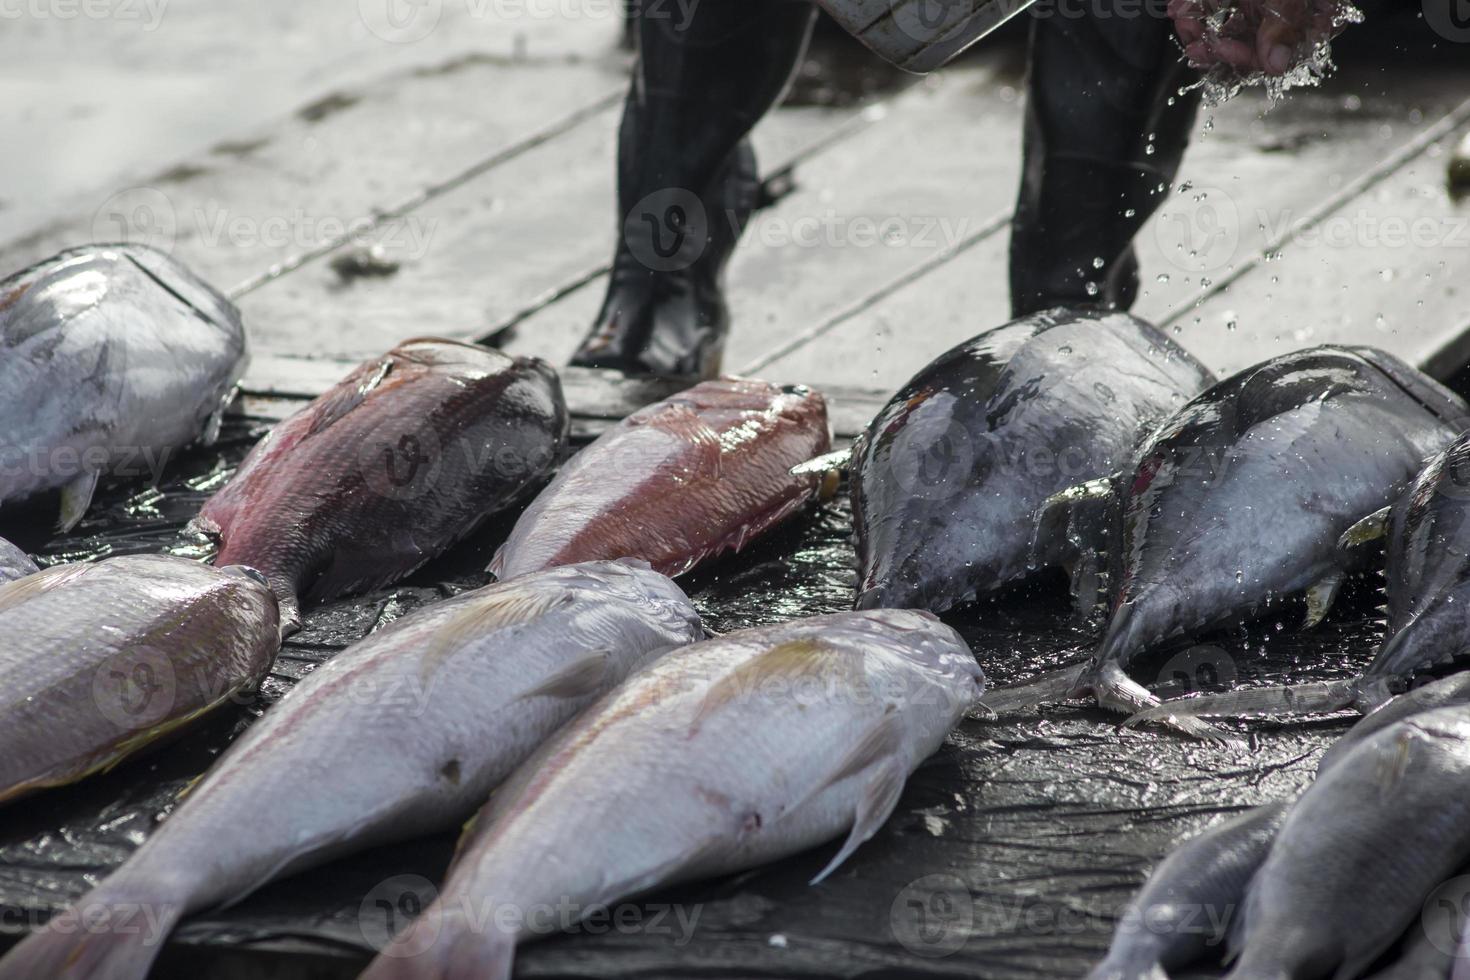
(279, 385)
(867, 211)
(1274, 164)
(1388, 268)
(353, 161)
(495, 245)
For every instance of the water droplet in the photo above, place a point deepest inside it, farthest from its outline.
(1098, 262)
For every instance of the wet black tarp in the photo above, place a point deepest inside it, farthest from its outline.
(1010, 855)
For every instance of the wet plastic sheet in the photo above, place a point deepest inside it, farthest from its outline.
(1010, 855)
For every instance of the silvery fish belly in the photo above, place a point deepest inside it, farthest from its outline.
(101, 659)
(1360, 853)
(400, 460)
(948, 478)
(113, 358)
(14, 563)
(402, 734)
(700, 473)
(732, 753)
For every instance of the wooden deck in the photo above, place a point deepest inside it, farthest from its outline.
(480, 157)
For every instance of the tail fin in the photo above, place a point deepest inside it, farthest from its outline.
(107, 935)
(1299, 699)
(1057, 685)
(1116, 691)
(438, 947)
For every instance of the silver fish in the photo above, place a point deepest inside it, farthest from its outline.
(1427, 569)
(1360, 853)
(112, 359)
(400, 735)
(739, 751)
(101, 659)
(14, 563)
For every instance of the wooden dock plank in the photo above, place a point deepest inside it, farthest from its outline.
(266, 198)
(886, 342)
(493, 246)
(815, 250)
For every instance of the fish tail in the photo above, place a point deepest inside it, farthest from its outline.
(1296, 699)
(1128, 967)
(1116, 691)
(1049, 688)
(436, 947)
(108, 935)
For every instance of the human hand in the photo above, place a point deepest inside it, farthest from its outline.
(1246, 37)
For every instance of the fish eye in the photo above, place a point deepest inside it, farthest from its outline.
(798, 390)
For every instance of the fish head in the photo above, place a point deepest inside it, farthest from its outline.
(634, 581)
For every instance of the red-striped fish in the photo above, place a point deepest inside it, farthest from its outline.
(388, 469)
(677, 482)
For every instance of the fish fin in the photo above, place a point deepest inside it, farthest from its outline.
(1116, 691)
(1315, 698)
(82, 943)
(581, 678)
(334, 405)
(1049, 688)
(496, 568)
(506, 608)
(824, 465)
(290, 614)
(20, 590)
(216, 419)
(794, 659)
(980, 711)
(877, 804)
(440, 946)
(879, 743)
(1071, 532)
(1320, 598)
(1370, 528)
(76, 497)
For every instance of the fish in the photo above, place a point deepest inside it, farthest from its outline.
(1191, 899)
(1360, 853)
(1186, 907)
(741, 750)
(388, 469)
(947, 479)
(103, 658)
(700, 473)
(113, 359)
(402, 734)
(14, 563)
(1237, 501)
(1427, 572)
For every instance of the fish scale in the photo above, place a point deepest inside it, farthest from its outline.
(677, 482)
(115, 357)
(14, 563)
(737, 751)
(398, 461)
(400, 735)
(103, 657)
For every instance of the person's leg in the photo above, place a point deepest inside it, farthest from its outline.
(1106, 127)
(687, 178)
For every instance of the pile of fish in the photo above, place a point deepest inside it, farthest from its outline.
(627, 750)
(1327, 885)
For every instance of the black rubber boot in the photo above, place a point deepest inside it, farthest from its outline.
(687, 179)
(1106, 127)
